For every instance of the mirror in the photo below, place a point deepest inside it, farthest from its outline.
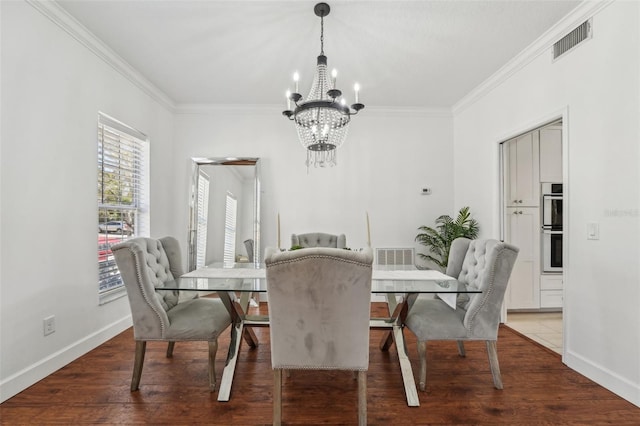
(224, 211)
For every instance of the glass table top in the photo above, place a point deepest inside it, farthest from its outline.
(249, 277)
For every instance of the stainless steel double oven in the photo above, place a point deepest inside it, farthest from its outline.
(552, 227)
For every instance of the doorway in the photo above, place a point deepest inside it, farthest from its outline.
(531, 175)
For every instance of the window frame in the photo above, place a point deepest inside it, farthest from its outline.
(125, 152)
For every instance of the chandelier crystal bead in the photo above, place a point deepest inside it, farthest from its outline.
(322, 119)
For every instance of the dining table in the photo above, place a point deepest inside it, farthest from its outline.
(235, 284)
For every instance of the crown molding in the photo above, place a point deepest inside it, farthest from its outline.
(540, 46)
(62, 18)
(376, 111)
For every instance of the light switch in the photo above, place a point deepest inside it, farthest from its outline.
(593, 231)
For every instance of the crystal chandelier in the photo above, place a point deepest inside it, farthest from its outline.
(322, 120)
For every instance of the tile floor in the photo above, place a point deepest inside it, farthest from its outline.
(543, 327)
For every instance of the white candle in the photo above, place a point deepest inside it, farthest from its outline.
(334, 75)
(368, 231)
(288, 95)
(296, 78)
(278, 230)
(356, 88)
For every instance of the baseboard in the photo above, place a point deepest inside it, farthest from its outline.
(34, 373)
(606, 378)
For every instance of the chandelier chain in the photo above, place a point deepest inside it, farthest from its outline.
(322, 35)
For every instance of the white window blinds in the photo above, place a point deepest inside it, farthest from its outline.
(230, 229)
(122, 196)
(203, 214)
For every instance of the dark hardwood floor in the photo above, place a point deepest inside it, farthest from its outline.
(538, 389)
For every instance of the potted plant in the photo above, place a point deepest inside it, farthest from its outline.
(439, 239)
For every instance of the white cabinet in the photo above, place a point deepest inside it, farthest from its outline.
(551, 154)
(523, 171)
(551, 291)
(523, 231)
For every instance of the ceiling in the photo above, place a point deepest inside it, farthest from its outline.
(425, 54)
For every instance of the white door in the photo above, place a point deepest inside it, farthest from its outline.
(523, 231)
(523, 175)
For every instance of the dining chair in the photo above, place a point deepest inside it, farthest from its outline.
(249, 246)
(319, 308)
(479, 264)
(165, 315)
(319, 239)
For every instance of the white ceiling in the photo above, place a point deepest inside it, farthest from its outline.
(402, 53)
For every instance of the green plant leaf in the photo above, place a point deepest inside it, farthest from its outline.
(438, 240)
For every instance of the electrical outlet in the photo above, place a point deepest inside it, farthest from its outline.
(49, 325)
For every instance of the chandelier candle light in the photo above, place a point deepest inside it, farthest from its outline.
(323, 118)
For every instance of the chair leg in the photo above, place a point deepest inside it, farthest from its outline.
(362, 398)
(422, 378)
(213, 348)
(461, 350)
(277, 397)
(170, 349)
(493, 362)
(141, 346)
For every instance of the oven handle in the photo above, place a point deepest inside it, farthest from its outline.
(550, 231)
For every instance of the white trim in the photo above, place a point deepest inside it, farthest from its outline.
(540, 46)
(111, 295)
(122, 127)
(557, 114)
(32, 374)
(64, 20)
(604, 377)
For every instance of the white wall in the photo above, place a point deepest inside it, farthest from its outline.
(387, 158)
(52, 90)
(597, 87)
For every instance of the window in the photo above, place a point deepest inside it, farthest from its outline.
(123, 212)
(230, 229)
(203, 214)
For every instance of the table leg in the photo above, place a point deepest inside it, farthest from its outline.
(395, 309)
(398, 312)
(238, 330)
(405, 368)
(224, 392)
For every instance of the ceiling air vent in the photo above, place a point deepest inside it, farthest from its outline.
(571, 40)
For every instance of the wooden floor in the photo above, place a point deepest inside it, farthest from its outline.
(538, 389)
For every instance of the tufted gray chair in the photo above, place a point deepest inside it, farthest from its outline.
(319, 239)
(319, 309)
(165, 315)
(480, 264)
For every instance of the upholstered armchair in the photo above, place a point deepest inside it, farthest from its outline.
(319, 239)
(319, 310)
(480, 264)
(164, 315)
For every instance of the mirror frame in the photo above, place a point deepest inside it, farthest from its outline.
(197, 162)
